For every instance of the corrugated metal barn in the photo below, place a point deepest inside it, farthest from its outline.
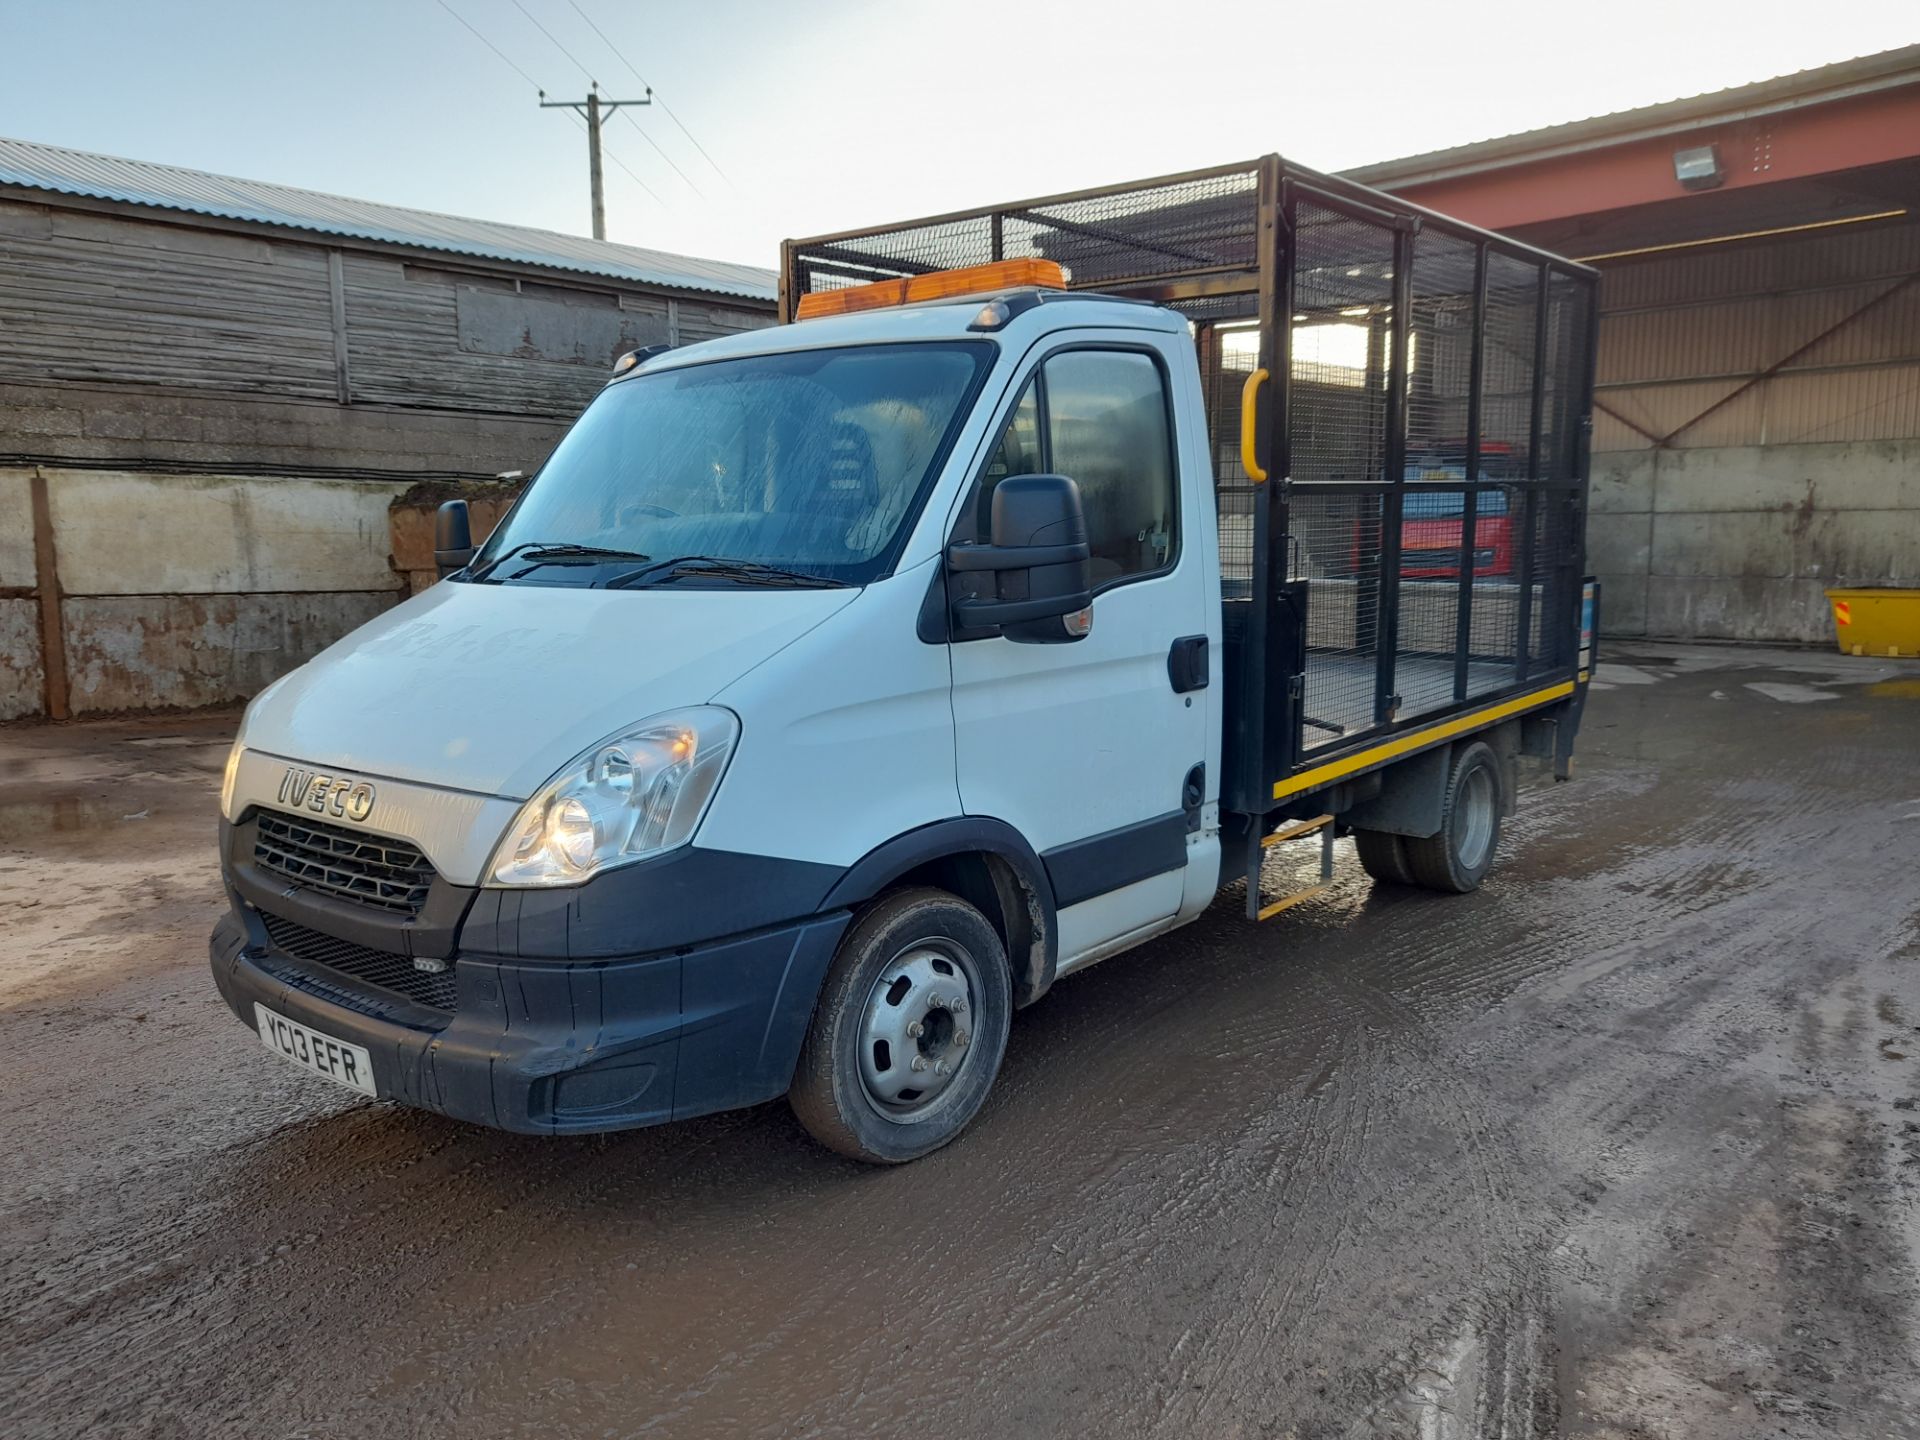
(213, 392)
(1757, 417)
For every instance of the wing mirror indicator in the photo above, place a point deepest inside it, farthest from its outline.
(1037, 563)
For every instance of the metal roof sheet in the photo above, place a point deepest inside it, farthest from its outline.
(1863, 74)
(31, 165)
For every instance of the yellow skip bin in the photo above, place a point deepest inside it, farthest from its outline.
(1876, 622)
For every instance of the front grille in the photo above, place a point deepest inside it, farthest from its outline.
(375, 967)
(367, 869)
(1448, 558)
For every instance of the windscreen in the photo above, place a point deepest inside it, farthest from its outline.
(1426, 505)
(813, 461)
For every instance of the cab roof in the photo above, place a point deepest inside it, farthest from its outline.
(1035, 312)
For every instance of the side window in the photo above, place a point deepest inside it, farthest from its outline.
(1018, 453)
(1107, 430)
(1100, 418)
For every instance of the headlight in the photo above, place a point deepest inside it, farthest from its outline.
(634, 795)
(226, 780)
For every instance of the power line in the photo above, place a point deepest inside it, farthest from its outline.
(556, 44)
(666, 157)
(665, 109)
(575, 60)
(505, 58)
(636, 179)
(510, 63)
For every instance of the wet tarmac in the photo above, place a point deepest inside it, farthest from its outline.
(1627, 1144)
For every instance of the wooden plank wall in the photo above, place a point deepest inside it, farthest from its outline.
(100, 298)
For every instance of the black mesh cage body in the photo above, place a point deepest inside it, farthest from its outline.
(1417, 547)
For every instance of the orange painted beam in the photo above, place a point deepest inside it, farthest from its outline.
(1790, 145)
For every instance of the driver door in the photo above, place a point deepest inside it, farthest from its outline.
(1086, 748)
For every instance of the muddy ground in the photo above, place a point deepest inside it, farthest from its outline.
(1627, 1144)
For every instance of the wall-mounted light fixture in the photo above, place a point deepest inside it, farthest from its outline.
(1699, 168)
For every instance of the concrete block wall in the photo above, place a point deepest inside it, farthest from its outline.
(1742, 542)
(21, 677)
(413, 520)
(184, 590)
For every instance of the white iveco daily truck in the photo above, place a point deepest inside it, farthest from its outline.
(836, 688)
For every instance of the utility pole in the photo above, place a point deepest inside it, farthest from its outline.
(594, 110)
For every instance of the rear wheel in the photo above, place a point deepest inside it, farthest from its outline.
(1458, 858)
(909, 1032)
(1383, 856)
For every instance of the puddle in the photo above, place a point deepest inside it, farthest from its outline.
(31, 820)
(1613, 673)
(1791, 694)
(1896, 689)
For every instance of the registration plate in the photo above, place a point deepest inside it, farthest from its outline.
(331, 1059)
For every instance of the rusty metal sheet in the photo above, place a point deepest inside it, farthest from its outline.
(144, 652)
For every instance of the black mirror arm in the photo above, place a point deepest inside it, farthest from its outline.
(980, 614)
(1014, 557)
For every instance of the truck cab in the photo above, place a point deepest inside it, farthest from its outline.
(830, 693)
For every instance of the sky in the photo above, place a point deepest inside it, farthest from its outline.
(818, 115)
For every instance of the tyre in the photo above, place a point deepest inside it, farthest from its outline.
(1383, 856)
(909, 1031)
(1457, 859)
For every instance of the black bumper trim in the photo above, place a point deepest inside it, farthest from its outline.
(563, 1048)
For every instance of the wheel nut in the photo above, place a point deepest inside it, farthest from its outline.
(940, 1068)
(959, 1037)
(957, 1005)
(919, 1062)
(915, 1029)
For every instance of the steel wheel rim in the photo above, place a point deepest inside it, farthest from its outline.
(921, 1008)
(1477, 808)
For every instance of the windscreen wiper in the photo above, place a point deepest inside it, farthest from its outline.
(549, 552)
(746, 572)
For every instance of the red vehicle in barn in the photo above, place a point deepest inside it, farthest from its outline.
(1431, 520)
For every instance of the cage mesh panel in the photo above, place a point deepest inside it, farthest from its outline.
(1342, 294)
(1440, 357)
(1241, 306)
(1506, 387)
(1334, 545)
(1493, 651)
(1565, 362)
(1337, 409)
(1200, 224)
(1432, 532)
(1228, 355)
(1556, 584)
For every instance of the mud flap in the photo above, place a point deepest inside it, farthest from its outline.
(1567, 725)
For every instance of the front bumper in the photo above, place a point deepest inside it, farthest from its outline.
(554, 1047)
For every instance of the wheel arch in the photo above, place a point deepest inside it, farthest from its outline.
(1407, 795)
(988, 864)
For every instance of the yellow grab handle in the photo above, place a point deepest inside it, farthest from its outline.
(1249, 403)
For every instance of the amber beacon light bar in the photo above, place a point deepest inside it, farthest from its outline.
(940, 285)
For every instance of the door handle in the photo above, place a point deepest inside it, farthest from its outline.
(1187, 664)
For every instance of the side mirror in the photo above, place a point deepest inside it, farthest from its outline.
(452, 538)
(1037, 558)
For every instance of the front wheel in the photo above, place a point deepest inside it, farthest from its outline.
(909, 1032)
